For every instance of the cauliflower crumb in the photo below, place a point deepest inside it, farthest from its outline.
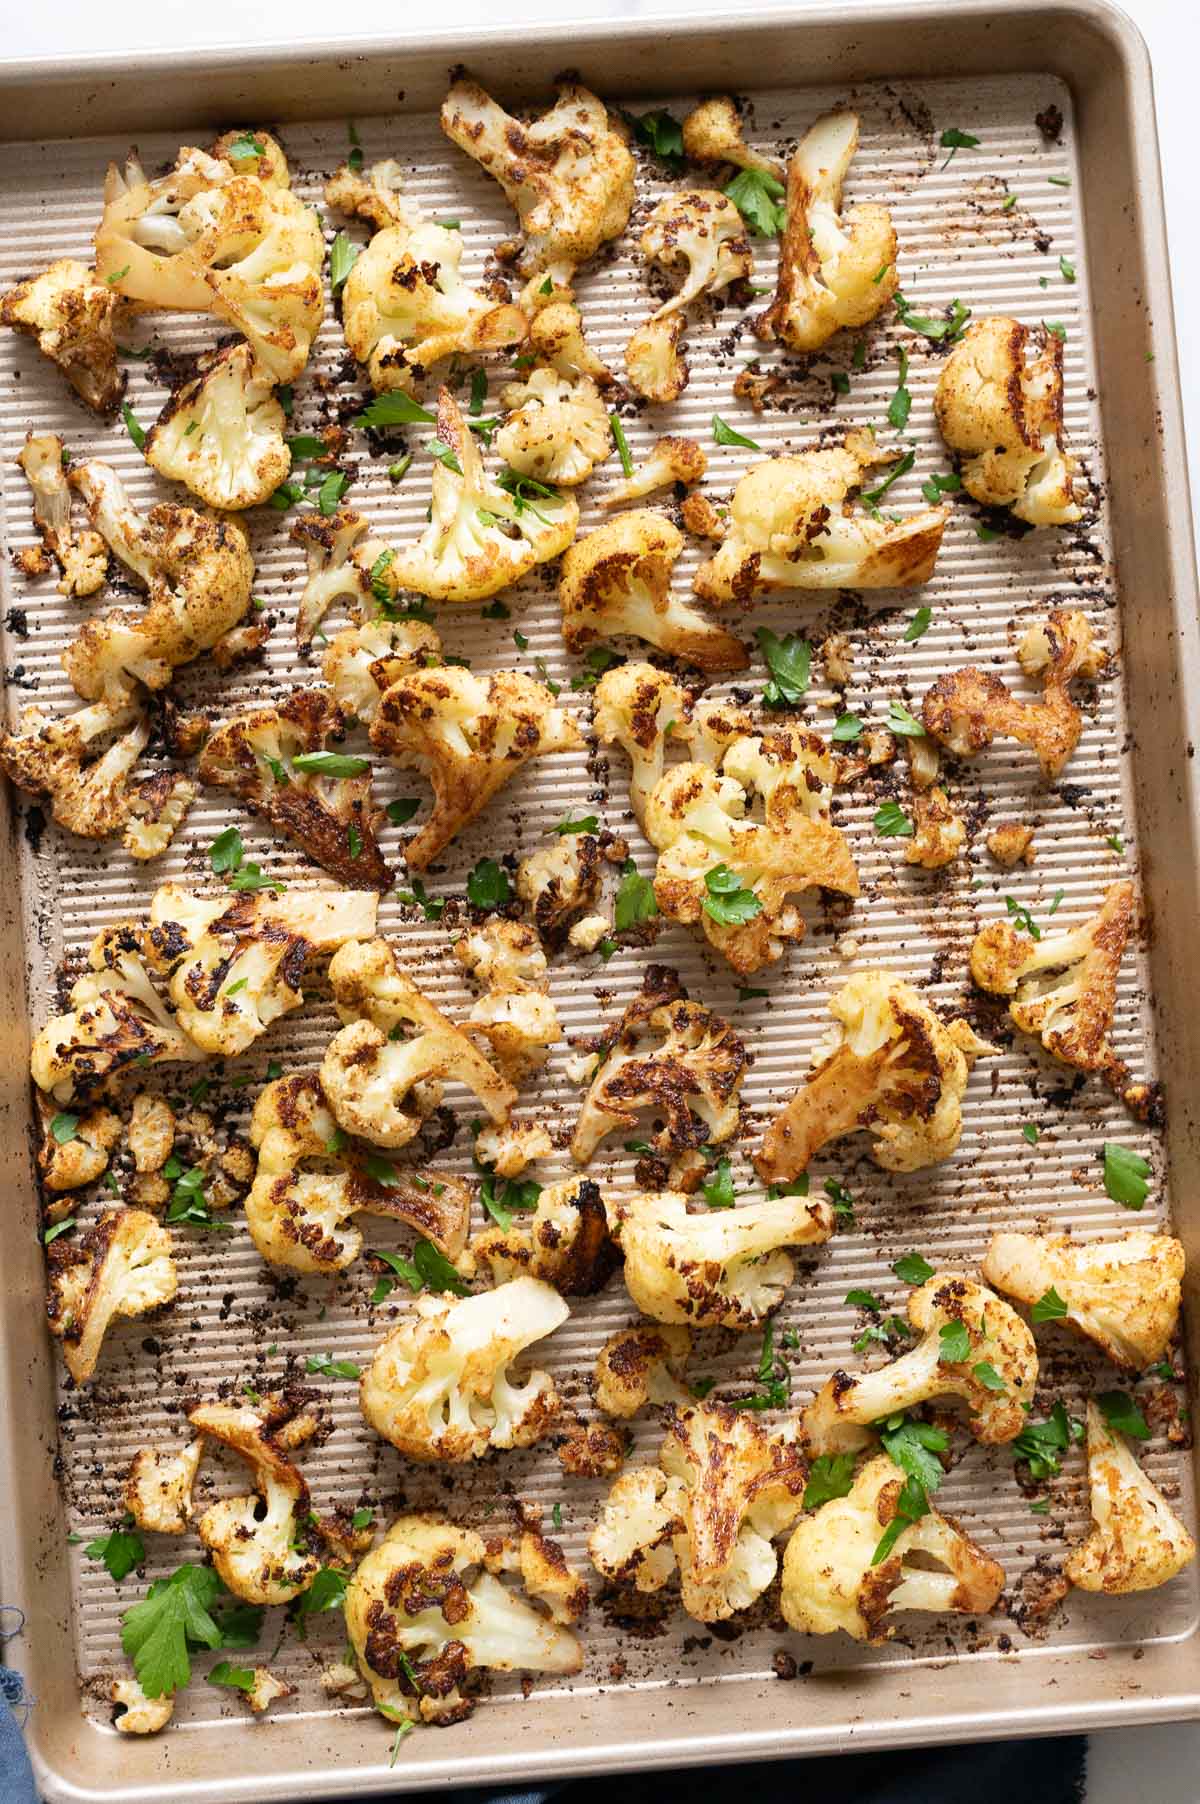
(1011, 843)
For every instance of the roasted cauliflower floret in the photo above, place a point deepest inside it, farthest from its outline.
(700, 231)
(638, 708)
(790, 526)
(633, 1542)
(999, 405)
(266, 1690)
(1123, 1294)
(83, 764)
(1063, 987)
(361, 662)
(121, 1267)
(558, 428)
(329, 813)
(80, 1158)
(158, 1487)
(441, 1385)
(423, 1613)
(712, 133)
(222, 433)
(672, 461)
(481, 538)
(467, 735)
(830, 1580)
(253, 1539)
(510, 1149)
(569, 174)
(939, 834)
(1011, 843)
(560, 882)
(640, 1365)
(379, 1084)
(1137, 1541)
(136, 1713)
(309, 1183)
(966, 709)
(674, 1059)
(212, 237)
(617, 580)
(556, 338)
(897, 1073)
(255, 151)
(82, 557)
(995, 1376)
(338, 565)
(715, 1268)
(835, 269)
(514, 1012)
(565, 1242)
(654, 364)
(373, 194)
(237, 962)
(71, 316)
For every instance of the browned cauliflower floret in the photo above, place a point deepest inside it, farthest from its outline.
(1123, 1294)
(966, 709)
(514, 1013)
(791, 527)
(565, 1242)
(222, 433)
(121, 1267)
(672, 461)
(338, 565)
(255, 152)
(254, 1540)
(512, 1146)
(278, 762)
(362, 662)
(1003, 414)
(556, 338)
(1137, 1541)
(81, 556)
(158, 1488)
(213, 237)
(700, 231)
(835, 269)
(560, 882)
(72, 315)
(372, 194)
(639, 708)
(640, 1365)
(831, 1579)
(468, 735)
(712, 133)
(136, 1713)
(558, 428)
(1011, 843)
(75, 1148)
(897, 1073)
(939, 834)
(996, 1376)
(617, 580)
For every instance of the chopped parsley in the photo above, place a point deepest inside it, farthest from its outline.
(599, 659)
(402, 809)
(953, 140)
(1040, 1444)
(847, 727)
(830, 1475)
(343, 254)
(394, 409)
(137, 433)
(634, 899)
(662, 133)
(912, 1269)
(587, 823)
(488, 885)
(900, 404)
(621, 442)
(121, 1552)
(1125, 1175)
(900, 721)
(918, 626)
(718, 1189)
(323, 1365)
(726, 901)
(891, 822)
(950, 328)
(759, 197)
(724, 434)
(939, 485)
(1048, 1308)
(331, 764)
(789, 661)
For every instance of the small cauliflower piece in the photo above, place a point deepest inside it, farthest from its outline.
(338, 565)
(673, 1058)
(423, 1613)
(569, 174)
(158, 1487)
(136, 1713)
(69, 1164)
(654, 364)
(71, 315)
(157, 806)
(565, 1242)
(999, 405)
(510, 1149)
(633, 1540)
(1123, 1294)
(640, 1365)
(515, 1012)
(966, 709)
(236, 962)
(331, 817)
(672, 461)
(701, 231)
(945, 1309)
(256, 152)
(362, 662)
(253, 1539)
(1011, 843)
(715, 1268)
(898, 1073)
(222, 433)
(82, 763)
(468, 735)
(266, 1690)
(121, 1267)
(441, 1386)
(82, 557)
(712, 133)
(617, 580)
(556, 338)
(791, 526)
(638, 708)
(835, 269)
(1137, 1541)
(558, 428)
(372, 194)
(309, 1184)
(560, 882)
(939, 834)
(1063, 987)
(830, 1581)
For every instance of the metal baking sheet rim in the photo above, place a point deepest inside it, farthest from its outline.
(295, 1759)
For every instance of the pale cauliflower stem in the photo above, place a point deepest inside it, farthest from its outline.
(381, 1085)
(1063, 987)
(222, 433)
(639, 708)
(441, 1385)
(790, 526)
(480, 538)
(559, 883)
(362, 662)
(672, 460)
(1001, 410)
(423, 1613)
(253, 1539)
(71, 315)
(197, 572)
(1123, 1294)
(405, 306)
(897, 1073)
(640, 1365)
(235, 963)
(715, 1268)
(514, 1012)
(66, 1165)
(617, 580)
(309, 1183)
(1001, 1346)
(332, 817)
(712, 133)
(673, 1059)
(966, 709)
(1137, 1541)
(116, 1021)
(82, 557)
(569, 174)
(723, 1490)
(558, 428)
(830, 1583)
(158, 1487)
(467, 735)
(701, 230)
(137, 1714)
(121, 1267)
(209, 237)
(565, 1242)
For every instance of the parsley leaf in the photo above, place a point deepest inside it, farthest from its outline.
(171, 1619)
(939, 485)
(718, 1190)
(847, 727)
(241, 1678)
(911, 1505)
(331, 764)
(634, 899)
(900, 468)
(1039, 1444)
(725, 435)
(488, 885)
(120, 1551)
(1122, 1413)
(726, 902)
(1125, 1174)
(663, 133)
(954, 1343)
(1022, 917)
(772, 1375)
(426, 1270)
(1031, 1132)
(949, 328)
(68, 1222)
(953, 140)
(1066, 269)
(899, 720)
(343, 254)
(830, 1475)
(621, 442)
(402, 810)
(587, 823)
(989, 1377)
(63, 1127)
(1048, 1308)
(325, 1593)
(394, 409)
(226, 852)
(901, 402)
(137, 433)
(599, 659)
(891, 822)
(864, 1299)
(913, 1446)
(839, 1196)
(912, 1269)
(432, 907)
(325, 1366)
(918, 625)
(759, 198)
(789, 661)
